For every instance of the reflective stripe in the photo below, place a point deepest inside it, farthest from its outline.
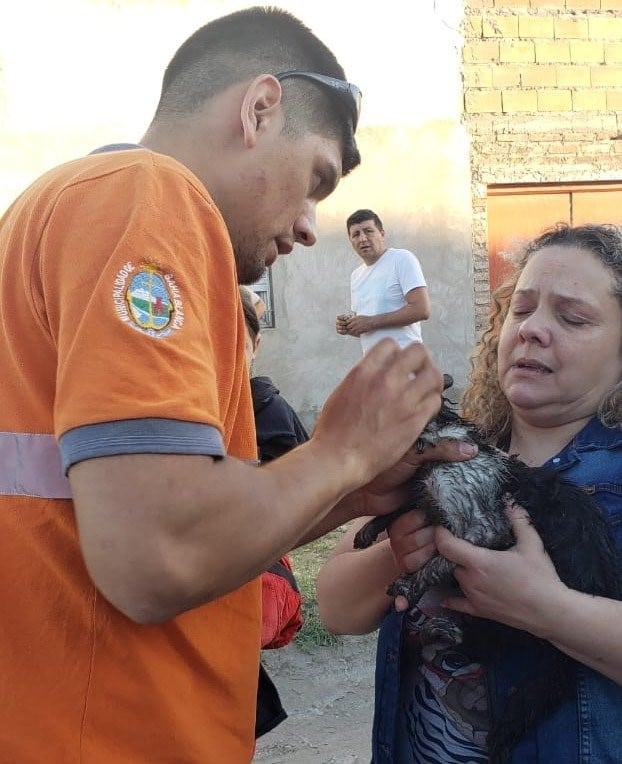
(30, 466)
(139, 436)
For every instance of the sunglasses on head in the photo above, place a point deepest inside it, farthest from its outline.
(345, 89)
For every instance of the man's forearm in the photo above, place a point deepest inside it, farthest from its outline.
(161, 533)
(409, 314)
(346, 509)
(229, 522)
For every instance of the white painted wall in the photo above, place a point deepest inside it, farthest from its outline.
(75, 74)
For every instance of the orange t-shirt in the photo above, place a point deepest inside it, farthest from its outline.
(119, 305)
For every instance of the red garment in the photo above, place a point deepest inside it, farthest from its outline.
(282, 605)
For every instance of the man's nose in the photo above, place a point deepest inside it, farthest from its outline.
(305, 232)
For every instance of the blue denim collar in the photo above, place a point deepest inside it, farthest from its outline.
(593, 437)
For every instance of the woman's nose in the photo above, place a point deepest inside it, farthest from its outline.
(304, 227)
(535, 328)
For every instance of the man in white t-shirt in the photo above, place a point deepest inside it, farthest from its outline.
(388, 293)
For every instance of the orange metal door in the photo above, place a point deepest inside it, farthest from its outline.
(518, 213)
(598, 206)
(515, 218)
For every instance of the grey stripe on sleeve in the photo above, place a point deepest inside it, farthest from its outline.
(139, 436)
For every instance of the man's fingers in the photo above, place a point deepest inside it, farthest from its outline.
(444, 451)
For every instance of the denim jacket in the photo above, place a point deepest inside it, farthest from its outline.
(584, 730)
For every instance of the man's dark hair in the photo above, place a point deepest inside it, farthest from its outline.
(256, 41)
(360, 216)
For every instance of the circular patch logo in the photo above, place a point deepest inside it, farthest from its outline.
(148, 300)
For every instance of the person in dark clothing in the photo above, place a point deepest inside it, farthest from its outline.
(279, 428)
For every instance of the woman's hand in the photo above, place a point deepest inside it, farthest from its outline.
(515, 587)
(413, 544)
(520, 587)
(351, 586)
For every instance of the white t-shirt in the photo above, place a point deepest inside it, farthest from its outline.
(381, 288)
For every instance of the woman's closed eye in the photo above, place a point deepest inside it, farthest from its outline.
(574, 320)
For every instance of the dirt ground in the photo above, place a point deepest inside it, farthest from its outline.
(328, 695)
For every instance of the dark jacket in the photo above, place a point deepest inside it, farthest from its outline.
(278, 431)
(278, 427)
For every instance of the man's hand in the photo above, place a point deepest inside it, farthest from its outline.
(375, 415)
(341, 323)
(356, 325)
(389, 491)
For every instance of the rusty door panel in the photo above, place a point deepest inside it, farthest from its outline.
(518, 213)
(514, 219)
(597, 206)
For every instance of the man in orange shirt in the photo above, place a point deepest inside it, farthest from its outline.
(134, 522)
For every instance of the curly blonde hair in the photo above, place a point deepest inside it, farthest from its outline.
(483, 402)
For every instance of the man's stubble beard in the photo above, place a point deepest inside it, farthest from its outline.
(250, 267)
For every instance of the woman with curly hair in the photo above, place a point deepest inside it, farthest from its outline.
(546, 386)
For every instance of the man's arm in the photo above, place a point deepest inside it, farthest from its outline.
(161, 534)
(416, 309)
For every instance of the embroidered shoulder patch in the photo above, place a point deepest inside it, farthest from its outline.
(148, 300)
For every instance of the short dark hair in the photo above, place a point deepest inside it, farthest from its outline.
(250, 314)
(360, 216)
(256, 41)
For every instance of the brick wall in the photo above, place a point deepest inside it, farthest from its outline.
(542, 100)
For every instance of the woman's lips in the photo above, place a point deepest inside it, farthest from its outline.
(530, 367)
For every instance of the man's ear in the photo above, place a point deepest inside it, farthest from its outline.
(261, 107)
